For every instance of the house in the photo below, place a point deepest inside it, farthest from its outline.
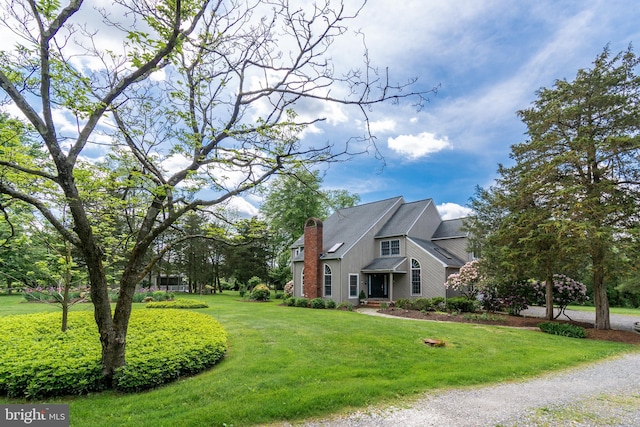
(389, 249)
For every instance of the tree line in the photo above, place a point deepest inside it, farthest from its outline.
(219, 254)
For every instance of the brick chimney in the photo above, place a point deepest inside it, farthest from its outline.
(312, 264)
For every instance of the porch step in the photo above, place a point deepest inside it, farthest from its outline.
(374, 303)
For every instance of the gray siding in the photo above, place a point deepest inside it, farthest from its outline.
(458, 247)
(427, 223)
(433, 274)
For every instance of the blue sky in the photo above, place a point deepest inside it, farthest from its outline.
(488, 58)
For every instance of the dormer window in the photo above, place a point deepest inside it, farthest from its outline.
(389, 247)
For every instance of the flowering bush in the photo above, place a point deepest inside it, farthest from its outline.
(468, 280)
(260, 293)
(565, 291)
(515, 296)
(288, 289)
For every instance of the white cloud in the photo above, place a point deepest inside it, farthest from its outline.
(382, 126)
(175, 163)
(243, 207)
(417, 146)
(453, 211)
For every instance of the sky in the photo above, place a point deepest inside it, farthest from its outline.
(487, 59)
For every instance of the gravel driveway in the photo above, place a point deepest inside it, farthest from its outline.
(601, 394)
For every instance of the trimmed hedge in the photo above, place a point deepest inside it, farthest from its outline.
(178, 303)
(38, 360)
(564, 329)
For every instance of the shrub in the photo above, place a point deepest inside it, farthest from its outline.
(288, 289)
(345, 305)
(162, 345)
(330, 303)
(564, 329)
(317, 303)
(515, 296)
(490, 299)
(254, 281)
(290, 301)
(484, 316)
(162, 296)
(468, 280)
(404, 303)
(422, 304)
(438, 303)
(302, 302)
(362, 295)
(461, 304)
(279, 295)
(156, 294)
(178, 303)
(260, 293)
(565, 291)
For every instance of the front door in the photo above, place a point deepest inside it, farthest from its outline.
(378, 287)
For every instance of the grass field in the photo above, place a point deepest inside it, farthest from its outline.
(289, 364)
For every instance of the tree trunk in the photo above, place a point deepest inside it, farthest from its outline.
(111, 340)
(67, 286)
(548, 296)
(600, 299)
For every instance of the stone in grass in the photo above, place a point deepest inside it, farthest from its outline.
(433, 342)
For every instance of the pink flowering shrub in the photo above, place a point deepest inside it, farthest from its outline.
(565, 291)
(288, 289)
(467, 281)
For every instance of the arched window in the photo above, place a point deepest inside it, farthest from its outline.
(416, 278)
(327, 281)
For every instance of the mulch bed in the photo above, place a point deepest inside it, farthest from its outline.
(518, 322)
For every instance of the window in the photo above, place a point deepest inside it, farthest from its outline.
(302, 282)
(390, 247)
(353, 286)
(335, 247)
(416, 278)
(327, 281)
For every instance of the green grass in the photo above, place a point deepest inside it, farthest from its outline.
(289, 363)
(612, 310)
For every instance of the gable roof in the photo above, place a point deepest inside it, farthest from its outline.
(349, 225)
(403, 219)
(450, 229)
(386, 265)
(441, 254)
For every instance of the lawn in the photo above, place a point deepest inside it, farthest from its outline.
(613, 310)
(288, 364)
